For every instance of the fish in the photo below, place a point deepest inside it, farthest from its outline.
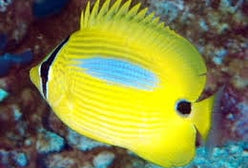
(126, 79)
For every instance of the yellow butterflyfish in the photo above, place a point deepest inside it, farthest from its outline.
(127, 80)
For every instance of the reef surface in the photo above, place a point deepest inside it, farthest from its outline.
(31, 136)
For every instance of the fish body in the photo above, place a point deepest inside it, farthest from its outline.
(127, 80)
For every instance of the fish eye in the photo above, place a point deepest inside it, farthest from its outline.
(183, 107)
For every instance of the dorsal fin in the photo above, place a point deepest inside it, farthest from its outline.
(85, 19)
(117, 12)
(133, 11)
(94, 11)
(114, 9)
(123, 10)
(103, 10)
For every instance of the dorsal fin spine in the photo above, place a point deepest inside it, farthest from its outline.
(98, 15)
(123, 10)
(114, 9)
(155, 21)
(133, 11)
(149, 17)
(103, 10)
(87, 15)
(141, 14)
(94, 12)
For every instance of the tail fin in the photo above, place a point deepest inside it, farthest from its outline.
(214, 134)
(206, 116)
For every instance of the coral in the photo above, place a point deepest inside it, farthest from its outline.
(49, 142)
(233, 154)
(20, 159)
(81, 142)
(103, 159)
(220, 56)
(169, 9)
(241, 125)
(8, 60)
(59, 161)
(3, 94)
(3, 41)
(13, 158)
(15, 21)
(42, 8)
(4, 4)
(31, 138)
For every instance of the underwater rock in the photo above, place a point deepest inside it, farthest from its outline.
(81, 142)
(13, 159)
(3, 94)
(231, 155)
(241, 125)
(59, 161)
(49, 142)
(3, 41)
(8, 60)
(219, 56)
(219, 30)
(4, 4)
(15, 21)
(103, 159)
(170, 10)
(42, 8)
(20, 159)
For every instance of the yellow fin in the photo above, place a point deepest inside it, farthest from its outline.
(202, 115)
(133, 11)
(149, 17)
(94, 11)
(116, 12)
(155, 20)
(161, 25)
(85, 20)
(205, 115)
(123, 10)
(103, 10)
(215, 133)
(114, 9)
(141, 15)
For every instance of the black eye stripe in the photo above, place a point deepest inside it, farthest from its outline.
(45, 66)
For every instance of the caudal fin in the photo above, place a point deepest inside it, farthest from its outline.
(206, 117)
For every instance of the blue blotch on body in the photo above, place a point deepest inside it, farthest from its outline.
(120, 72)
